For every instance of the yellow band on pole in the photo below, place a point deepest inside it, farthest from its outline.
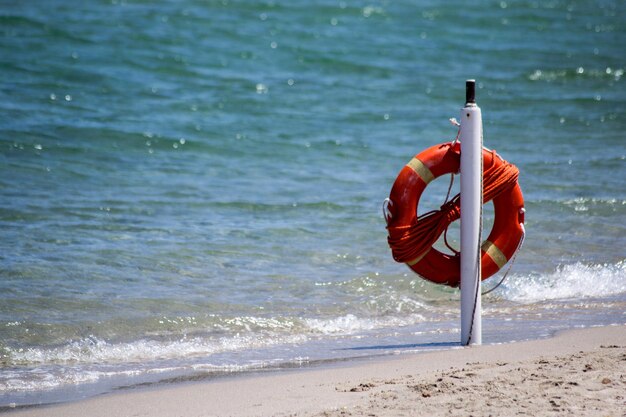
(494, 253)
(422, 170)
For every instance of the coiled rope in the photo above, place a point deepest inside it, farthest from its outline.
(411, 242)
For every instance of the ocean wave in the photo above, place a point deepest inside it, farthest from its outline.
(18, 381)
(93, 359)
(243, 333)
(607, 201)
(608, 204)
(92, 350)
(350, 324)
(573, 281)
(50, 378)
(558, 74)
(584, 204)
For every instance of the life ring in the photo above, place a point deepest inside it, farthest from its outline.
(401, 214)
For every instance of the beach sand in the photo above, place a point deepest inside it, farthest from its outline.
(576, 373)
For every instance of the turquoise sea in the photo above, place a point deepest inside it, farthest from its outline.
(193, 188)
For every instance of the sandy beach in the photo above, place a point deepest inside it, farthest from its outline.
(580, 372)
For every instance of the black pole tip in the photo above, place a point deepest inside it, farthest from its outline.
(470, 92)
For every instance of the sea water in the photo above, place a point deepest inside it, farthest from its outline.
(192, 188)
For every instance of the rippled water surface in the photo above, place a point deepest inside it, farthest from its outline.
(193, 187)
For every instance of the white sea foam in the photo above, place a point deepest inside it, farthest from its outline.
(351, 324)
(48, 379)
(585, 204)
(264, 333)
(567, 282)
(96, 351)
(92, 359)
(40, 379)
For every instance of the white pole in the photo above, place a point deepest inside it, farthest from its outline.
(471, 217)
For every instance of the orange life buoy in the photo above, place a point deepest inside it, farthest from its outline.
(411, 238)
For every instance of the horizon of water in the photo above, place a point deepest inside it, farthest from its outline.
(191, 189)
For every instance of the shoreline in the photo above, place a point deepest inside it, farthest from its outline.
(572, 368)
